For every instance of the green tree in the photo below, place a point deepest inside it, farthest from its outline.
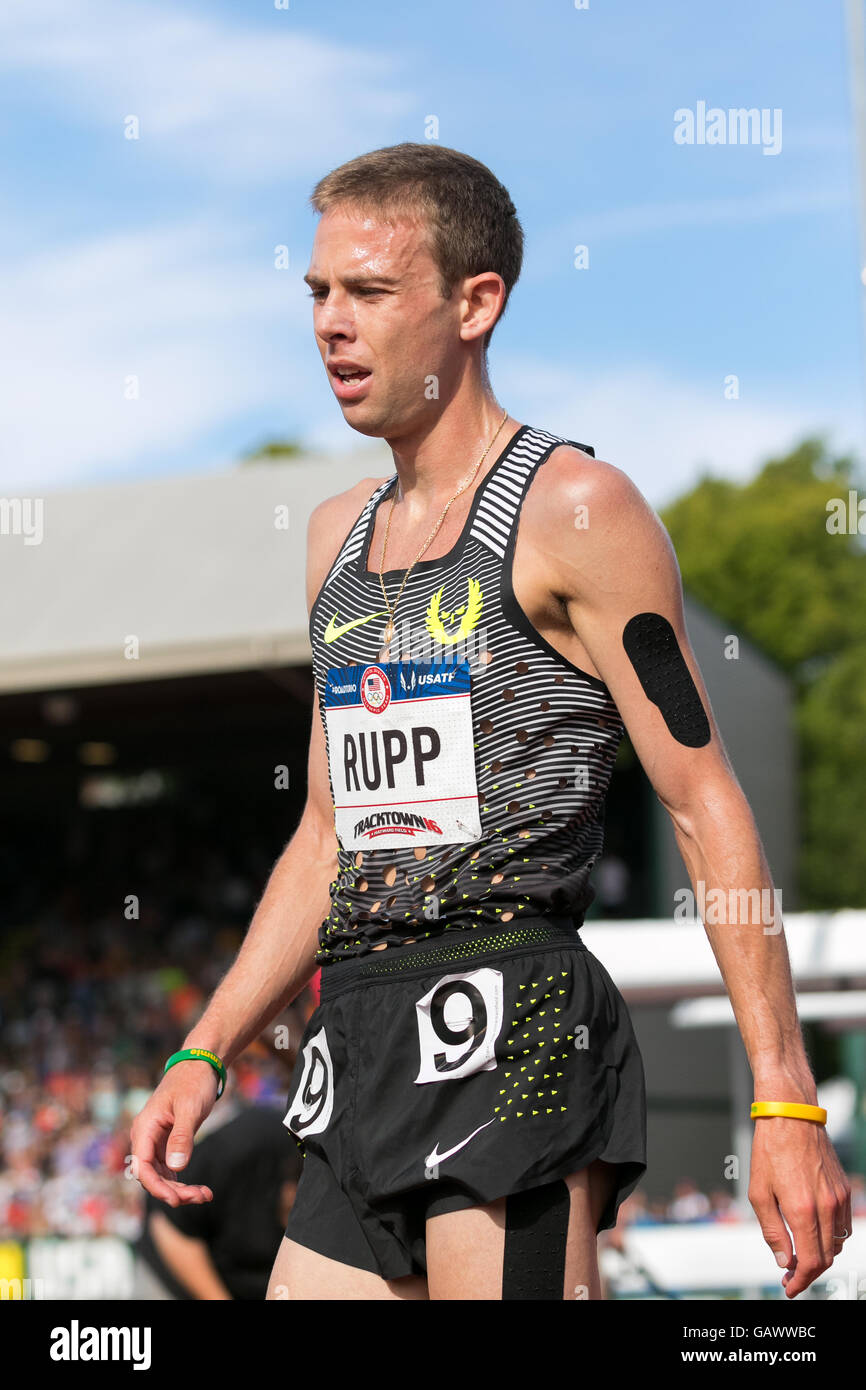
(273, 450)
(763, 556)
(831, 720)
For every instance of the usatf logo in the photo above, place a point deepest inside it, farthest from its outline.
(468, 615)
(375, 690)
(394, 823)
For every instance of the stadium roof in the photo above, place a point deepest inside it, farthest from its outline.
(195, 568)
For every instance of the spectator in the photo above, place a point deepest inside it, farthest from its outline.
(688, 1202)
(722, 1206)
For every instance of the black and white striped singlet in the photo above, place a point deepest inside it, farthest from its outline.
(545, 732)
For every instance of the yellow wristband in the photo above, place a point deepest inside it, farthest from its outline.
(791, 1108)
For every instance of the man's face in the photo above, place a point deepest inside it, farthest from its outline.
(376, 304)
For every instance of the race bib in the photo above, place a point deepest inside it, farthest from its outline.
(459, 1021)
(313, 1103)
(401, 754)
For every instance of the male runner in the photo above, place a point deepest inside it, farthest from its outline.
(485, 622)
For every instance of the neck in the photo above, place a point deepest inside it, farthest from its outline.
(433, 460)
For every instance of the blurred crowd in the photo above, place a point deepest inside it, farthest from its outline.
(96, 990)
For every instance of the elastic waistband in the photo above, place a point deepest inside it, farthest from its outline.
(448, 947)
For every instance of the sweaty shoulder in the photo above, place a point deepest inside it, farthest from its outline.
(328, 526)
(588, 517)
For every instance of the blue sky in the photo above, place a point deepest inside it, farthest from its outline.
(155, 257)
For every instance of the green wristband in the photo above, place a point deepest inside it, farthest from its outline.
(199, 1054)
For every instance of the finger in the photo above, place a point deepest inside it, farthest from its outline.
(806, 1229)
(792, 1269)
(178, 1146)
(156, 1180)
(185, 1192)
(849, 1214)
(773, 1228)
(830, 1220)
(150, 1170)
(144, 1158)
(842, 1220)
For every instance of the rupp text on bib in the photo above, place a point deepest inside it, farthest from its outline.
(401, 756)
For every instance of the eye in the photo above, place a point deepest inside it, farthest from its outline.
(366, 293)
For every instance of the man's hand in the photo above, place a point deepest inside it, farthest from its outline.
(163, 1132)
(796, 1175)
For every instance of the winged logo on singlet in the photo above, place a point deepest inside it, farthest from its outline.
(468, 615)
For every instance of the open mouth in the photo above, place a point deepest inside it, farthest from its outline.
(349, 380)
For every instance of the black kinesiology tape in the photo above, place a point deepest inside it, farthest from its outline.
(536, 1235)
(654, 652)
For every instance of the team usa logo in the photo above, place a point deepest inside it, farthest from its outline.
(375, 690)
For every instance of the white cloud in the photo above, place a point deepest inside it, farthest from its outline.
(551, 247)
(208, 332)
(661, 430)
(237, 102)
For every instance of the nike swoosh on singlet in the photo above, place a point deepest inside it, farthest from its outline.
(436, 1157)
(332, 632)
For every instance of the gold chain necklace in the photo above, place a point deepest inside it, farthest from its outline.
(389, 626)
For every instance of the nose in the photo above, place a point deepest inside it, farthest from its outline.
(333, 318)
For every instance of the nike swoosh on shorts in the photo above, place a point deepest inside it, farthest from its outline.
(436, 1157)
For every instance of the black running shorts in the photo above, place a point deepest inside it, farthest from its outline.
(453, 1072)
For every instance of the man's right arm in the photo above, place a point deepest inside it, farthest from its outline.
(278, 953)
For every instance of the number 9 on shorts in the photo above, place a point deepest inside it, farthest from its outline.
(310, 1110)
(459, 1020)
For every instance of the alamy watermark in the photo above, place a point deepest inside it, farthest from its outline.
(730, 907)
(846, 517)
(713, 125)
(414, 642)
(23, 516)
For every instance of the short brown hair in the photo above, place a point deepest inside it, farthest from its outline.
(471, 222)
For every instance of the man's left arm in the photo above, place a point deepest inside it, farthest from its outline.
(618, 579)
